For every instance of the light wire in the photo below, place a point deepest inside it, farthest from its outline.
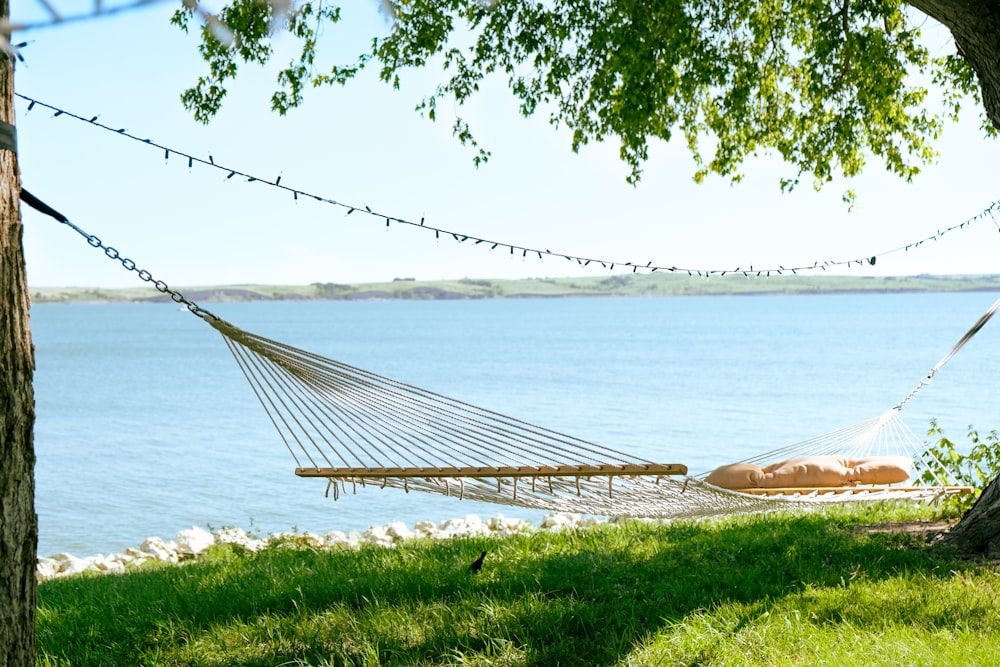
(513, 248)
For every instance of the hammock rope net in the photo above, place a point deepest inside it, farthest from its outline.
(359, 429)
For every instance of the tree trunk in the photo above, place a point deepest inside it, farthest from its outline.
(18, 522)
(978, 533)
(975, 25)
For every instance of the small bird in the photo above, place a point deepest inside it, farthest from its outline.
(477, 564)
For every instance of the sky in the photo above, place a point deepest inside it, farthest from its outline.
(364, 145)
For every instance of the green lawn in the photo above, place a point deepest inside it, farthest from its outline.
(805, 589)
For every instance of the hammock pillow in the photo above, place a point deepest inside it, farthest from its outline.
(736, 476)
(881, 469)
(807, 471)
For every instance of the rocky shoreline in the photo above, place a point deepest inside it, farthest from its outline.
(191, 542)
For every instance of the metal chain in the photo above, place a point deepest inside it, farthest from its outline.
(946, 358)
(113, 253)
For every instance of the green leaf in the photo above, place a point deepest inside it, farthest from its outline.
(829, 89)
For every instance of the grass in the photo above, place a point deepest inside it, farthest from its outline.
(768, 590)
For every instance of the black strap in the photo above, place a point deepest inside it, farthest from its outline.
(37, 204)
(8, 136)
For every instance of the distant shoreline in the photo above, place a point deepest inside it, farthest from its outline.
(622, 285)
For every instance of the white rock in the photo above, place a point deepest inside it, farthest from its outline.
(337, 538)
(398, 531)
(239, 537)
(134, 557)
(475, 526)
(160, 550)
(108, 565)
(312, 539)
(192, 541)
(507, 526)
(470, 525)
(124, 559)
(378, 535)
(426, 529)
(76, 565)
(48, 568)
(450, 525)
(560, 521)
(232, 536)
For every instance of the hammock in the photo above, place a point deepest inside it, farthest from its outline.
(359, 429)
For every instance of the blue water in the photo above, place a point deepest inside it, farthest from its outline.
(146, 426)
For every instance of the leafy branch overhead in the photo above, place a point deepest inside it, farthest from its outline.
(824, 86)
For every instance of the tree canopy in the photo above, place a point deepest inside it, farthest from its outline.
(825, 86)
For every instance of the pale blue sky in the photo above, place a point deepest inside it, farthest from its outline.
(364, 145)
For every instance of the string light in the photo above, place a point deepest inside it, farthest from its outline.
(869, 259)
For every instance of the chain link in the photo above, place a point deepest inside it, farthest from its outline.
(112, 253)
(144, 275)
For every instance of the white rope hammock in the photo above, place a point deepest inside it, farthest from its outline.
(359, 429)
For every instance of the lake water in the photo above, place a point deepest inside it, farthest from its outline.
(145, 425)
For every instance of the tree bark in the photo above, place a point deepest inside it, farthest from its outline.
(18, 521)
(978, 533)
(975, 25)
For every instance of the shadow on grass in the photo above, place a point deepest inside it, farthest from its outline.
(585, 597)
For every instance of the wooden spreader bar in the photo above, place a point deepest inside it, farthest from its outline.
(499, 471)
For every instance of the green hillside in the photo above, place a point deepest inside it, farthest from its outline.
(628, 284)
